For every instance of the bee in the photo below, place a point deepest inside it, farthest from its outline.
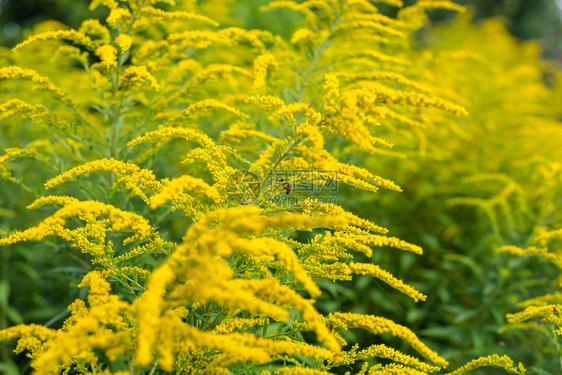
(286, 186)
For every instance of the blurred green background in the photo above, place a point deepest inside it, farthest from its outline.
(527, 19)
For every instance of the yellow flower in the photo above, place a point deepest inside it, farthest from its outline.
(298, 371)
(129, 175)
(394, 369)
(168, 132)
(269, 100)
(369, 25)
(532, 250)
(111, 4)
(261, 64)
(548, 313)
(378, 325)
(39, 331)
(381, 76)
(41, 83)
(235, 324)
(379, 273)
(13, 153)
(202, 251)
(377, 56)
(348, 174)
(124, 42)
(493, 360)
(383, 351)
(118, 16)
(545, 237)
(108, 55)
(215, 71)
(174, 189)
(331, 92)
(198, 39)
(159, 15)
(137, 76)
(301, 34)
(314, 206)
(311, 133)
(93, 28)
(90, 238)
(235, 134)
(72, 35)
(304, 7)
(51, 199)
(207, 104)
(288, 111)
(14, 106)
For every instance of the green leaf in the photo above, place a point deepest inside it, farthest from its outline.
(14, 316)
(4, 294)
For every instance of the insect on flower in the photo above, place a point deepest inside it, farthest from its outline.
(286, 186)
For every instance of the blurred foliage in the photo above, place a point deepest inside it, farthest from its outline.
(492, 179)
(527, 19)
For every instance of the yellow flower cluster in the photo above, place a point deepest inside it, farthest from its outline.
(235, 134)
(540, 251)
(301, 34)
(173, 190)
(108, 55)
(239, 288)
(390, 96)
(137, 76)
(235, 324)
(15, 106)
(12, 153)
(548, 313)
(548, 307)
(384, 351)
(378, 325)
(118, 17)
(365, 24)
(129, 175)
(376, 271)
(205, 105)
(72, 35)
(288, 111)
(261, 64)
(201, 257)
(169, 132)
(90, 238)
(124, 42)
(215, 71)
(415, 15)
(40, 82)
(266, 99)
(160, 16)
(493, 361)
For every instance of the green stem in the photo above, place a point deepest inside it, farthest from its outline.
(3, 318)
(153, 368)
(557, 345)
(285, 153)
(316, 55)
(86, 122)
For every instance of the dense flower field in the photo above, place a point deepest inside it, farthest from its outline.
(184, 194)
